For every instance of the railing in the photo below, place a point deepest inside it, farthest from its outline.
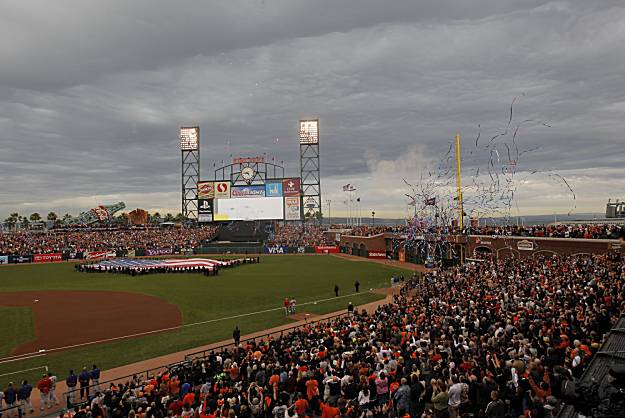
(15, 409)
(189, 358)
(203, 353)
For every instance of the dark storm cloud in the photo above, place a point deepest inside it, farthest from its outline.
(91, 94)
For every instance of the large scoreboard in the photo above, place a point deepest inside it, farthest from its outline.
(277, 199)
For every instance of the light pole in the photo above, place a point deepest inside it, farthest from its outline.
(372, 218)
(329, 212)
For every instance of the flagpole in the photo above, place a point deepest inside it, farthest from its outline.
(459, 184)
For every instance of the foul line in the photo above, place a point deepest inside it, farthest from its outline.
(25, 370)
(43, 352)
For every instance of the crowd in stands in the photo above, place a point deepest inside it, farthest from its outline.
(82, 240)
(496, 339)
(296, 235)
(586, 231)
(370, 230)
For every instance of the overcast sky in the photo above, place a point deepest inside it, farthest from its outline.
(92, 94)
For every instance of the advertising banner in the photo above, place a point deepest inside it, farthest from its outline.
(525, 245)
(247, 191)
(72, 255)
(131, 253)
(327, 249)
(292, 208)
(276, 249)
(47, 258)
(222, 190)
(291, 187)
(205, 210)
(273, 189)
(161, 251)
(101, 213)
(204, 217)
(95, 255)
(377, 254)
(4, 259)
(205, 190)
(19, 259)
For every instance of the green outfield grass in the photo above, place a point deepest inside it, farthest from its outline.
(16, 327)
(241, 290)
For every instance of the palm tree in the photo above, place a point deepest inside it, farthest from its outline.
(52, 216)
(35, 217)
(169, 217)
(11, 221)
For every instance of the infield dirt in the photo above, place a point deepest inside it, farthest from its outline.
(67, 318)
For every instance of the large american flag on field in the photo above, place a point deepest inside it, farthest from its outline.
(138, 264)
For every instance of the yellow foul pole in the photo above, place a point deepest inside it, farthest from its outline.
(459, 183)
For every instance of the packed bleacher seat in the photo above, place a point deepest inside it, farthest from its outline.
(585, 231)
(103, 239)
(294, 235)
(494, 339)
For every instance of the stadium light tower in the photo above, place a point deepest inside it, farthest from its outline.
(309, 166)
(190, 148)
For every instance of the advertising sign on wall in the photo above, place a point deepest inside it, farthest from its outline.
(276, 249)
(273, 189)
(205, 210)
(204, 217)
(94, 255)
(47, 258)
(327, 249)
(247, 191)
(291, 187)
(292, 208)
(4, 259)
(222, 190)
(161, 251)
(205, 190)
(19, 259)
(377, 254)
(525, 245)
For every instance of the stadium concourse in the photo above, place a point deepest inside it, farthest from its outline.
(496, 339)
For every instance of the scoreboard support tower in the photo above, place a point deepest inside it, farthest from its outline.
(309, 167)
(190, 148)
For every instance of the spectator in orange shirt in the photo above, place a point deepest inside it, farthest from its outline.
(329, 411)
